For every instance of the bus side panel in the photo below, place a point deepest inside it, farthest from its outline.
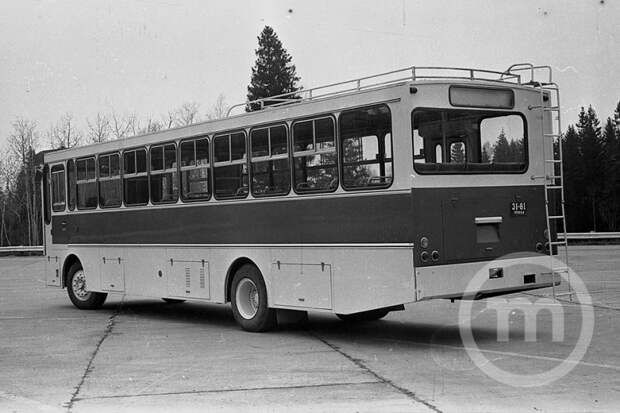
(365, 278)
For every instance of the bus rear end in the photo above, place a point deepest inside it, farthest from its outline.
(478, 206)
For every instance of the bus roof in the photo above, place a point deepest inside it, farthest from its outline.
(378, 88)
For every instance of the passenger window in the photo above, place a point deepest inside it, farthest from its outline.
(230, 172)
(109, 181)
(135, 179)
(195, 169)
(58, 188)
(164, 186)
(71, 184)
(366, 136)
(86, 183)
(271, 172)
(315, 158)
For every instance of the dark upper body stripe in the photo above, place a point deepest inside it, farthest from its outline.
(385, 218)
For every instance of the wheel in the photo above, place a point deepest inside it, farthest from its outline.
(249, 300)
(372, 315)
(173, 300)
(78, 292)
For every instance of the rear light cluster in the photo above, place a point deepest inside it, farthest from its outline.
(425, 256)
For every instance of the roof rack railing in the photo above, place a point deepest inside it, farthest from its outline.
(533, 73)
(512, 75)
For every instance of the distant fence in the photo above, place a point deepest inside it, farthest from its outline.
(22, 250)
(593, 236)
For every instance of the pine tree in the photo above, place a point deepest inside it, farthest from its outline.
(273, 73)
(589, 130)
(574, 190)
(610, 203)
(457, 152)
(501, 149)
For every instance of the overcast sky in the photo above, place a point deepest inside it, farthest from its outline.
(149, 56)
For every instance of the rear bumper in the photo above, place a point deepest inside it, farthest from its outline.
(473, 280)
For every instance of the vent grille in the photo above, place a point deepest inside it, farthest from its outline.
(187, 278)
(202, 278)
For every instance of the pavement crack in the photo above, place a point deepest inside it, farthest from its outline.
(359, 363)
(241, 389)
(89, 367)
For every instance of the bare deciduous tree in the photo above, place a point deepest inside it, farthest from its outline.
(187, 114)
(120, 126)
(65, 134)
(99, 129)
(23, 144)
(219, 109)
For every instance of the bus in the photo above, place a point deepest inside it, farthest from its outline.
(353, 198)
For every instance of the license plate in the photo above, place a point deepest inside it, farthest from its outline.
(518, 208)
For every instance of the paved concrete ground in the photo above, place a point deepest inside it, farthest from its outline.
(144, 355)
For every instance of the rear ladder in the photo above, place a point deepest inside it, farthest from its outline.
(555, 211)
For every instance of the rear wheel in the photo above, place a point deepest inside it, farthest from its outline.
(364, 316)
(78, 292)
(249, 300)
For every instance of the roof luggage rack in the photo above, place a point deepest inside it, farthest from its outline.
(515, 74)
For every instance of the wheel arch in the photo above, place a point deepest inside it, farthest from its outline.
(232, 269)
(69, 261)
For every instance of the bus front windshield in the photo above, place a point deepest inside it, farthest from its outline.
(468, 141)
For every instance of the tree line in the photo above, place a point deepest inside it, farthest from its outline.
(20, 194)
(591, 155)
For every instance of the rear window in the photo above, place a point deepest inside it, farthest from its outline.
(469, 141)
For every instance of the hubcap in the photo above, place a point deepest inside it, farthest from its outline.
(78, 284)
(247, 298)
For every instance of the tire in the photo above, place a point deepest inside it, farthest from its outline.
(78, 294)
(249, 300)
(173, 300)
(364, 316)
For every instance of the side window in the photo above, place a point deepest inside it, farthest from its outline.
(314, 156)
(271, 172)
(230, 169)
(86, 183)
(163, 177)
(366, 139)
(135, 179)
(58, 188)
(195, 169)
(109, 180)
(71, 183)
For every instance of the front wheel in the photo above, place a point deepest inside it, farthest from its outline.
(249, 300)
(78, 292)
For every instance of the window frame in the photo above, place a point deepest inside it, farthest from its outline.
(270, 157)
(71, 188)
(190, 167)
(341, 150)
(230, 162)
(163, 171)
(53, 189)
(501, 112)
(305, 153)
(120, 178)
(86, 181)
(135, 174)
